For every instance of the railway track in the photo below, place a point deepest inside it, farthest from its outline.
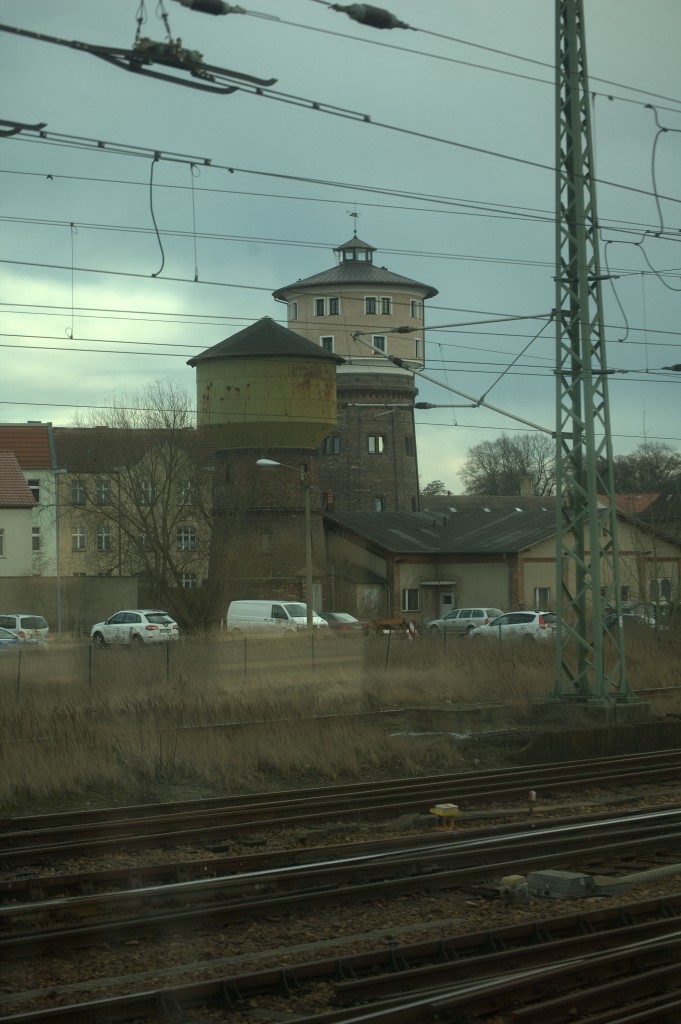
(85, 922)
(42, 837)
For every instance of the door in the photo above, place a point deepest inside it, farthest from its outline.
(446, 604)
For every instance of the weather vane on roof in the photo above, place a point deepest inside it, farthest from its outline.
(353, 213)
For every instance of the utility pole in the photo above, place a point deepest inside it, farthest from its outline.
(590, 660)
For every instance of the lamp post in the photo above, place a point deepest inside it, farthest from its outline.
(57, 563)
(305, 481)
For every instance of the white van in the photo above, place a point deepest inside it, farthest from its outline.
(285, 616)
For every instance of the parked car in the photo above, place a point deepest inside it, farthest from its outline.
(8, 639)
(521, 626)
(463, 620)
(635, 615)
(135, 626)
(26, 626)
(343, 622)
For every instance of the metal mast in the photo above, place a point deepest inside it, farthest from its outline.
(590, 661)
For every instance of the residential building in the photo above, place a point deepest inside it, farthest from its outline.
(17, 502)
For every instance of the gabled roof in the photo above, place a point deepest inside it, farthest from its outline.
(106, 449)
(265, 338)
(14, 491)
(30, 442)
(470, 532)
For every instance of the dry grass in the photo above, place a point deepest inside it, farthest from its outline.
(79, 727)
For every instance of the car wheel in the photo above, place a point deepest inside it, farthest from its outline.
(433, 629)
(469, 630)
(99, 641)
(136, 640)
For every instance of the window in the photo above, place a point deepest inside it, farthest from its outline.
(318, 306)
(266, 542)
(2, 543)
(78, 538)
(188, 580)
(542, 598)
(186, 538)
(417, 348)
(409, 445)
(416, 309)
(77, 492)
(386, 306)
(410, 600)
(103, 538)
(378, 341)
(375, 443)
(187, 492)
(293, 310)
(103, 492)
(334, 306)
(332, 445)
(35, 539)
(327, 343)
(661, 589)
(625, 593)
(378, 504)
(143, 541)
(146, 492)
(35, 488)
(370, 304)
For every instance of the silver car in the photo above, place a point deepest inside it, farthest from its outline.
(463, 620)
(523, 626)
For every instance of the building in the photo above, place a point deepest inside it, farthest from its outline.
(33, 447)
(369, 462)
(16, 518)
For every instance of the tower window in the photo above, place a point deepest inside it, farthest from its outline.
(409, 444)
(334, 306)
(416, 309)
(417, 348)
(370, 304)
(332, 445)
(319, 307)
(378, 341)
(386, 306)
(327, 343)
(293, 310)
(375, 444)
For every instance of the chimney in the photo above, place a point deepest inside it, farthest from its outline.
(527, 484)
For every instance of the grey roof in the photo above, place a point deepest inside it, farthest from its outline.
(472, 532)
(265, 338)
(451, 503)
(355, 272)
(355, 243)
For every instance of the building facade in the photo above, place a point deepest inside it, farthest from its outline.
(369, 463)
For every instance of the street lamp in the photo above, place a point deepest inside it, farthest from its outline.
(57, 565)
(305, 481)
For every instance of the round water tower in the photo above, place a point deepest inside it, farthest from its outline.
(266, 386)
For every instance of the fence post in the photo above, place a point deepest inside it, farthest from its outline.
(245, 659)
(89, 666)
(18, 673)
(312, 651)
(387, 649)
(167, 662)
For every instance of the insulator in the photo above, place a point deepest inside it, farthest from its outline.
(212, 7)
(375, 17)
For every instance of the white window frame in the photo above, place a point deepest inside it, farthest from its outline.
(186, 538)
(318, 302)
(103, 492)
(78, 492)
(379, 504)
(79, 538)
(292, 310)
(386, 305)
(370, 300)
(188, 580)
(34, 486)
(327, 338)
(542, 604)
(380, 343)
(187, 493)
(147, 493)
(331, 445)
(104, 538)
(36, 538)
(376, 444)
(661, 588)
(410, 599)
(334, 299)
(416, 308)
(417, 348)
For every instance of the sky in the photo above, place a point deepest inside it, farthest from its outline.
(445, 154)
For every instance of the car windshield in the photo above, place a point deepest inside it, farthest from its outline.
(33, 622)
(296, 611)
(160, 618)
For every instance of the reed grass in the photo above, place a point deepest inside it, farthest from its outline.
(83, 728)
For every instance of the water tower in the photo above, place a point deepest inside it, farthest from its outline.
(266, 393)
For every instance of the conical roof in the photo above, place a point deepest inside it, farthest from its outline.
(262, 339)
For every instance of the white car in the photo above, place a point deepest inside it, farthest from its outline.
(524, 626)
(135, 626)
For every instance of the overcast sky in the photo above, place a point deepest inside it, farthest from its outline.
(92, 305)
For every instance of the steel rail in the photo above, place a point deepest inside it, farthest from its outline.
(468, 952)
(325, 885)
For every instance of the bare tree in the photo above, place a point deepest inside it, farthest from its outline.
(648, 469)
(497, 466)
(144, 487)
